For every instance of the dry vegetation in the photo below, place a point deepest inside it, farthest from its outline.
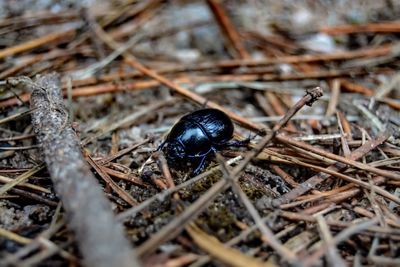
(81, 183)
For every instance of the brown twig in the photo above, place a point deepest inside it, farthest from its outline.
(20, 179)
(339, 238)
(373, 230)
(333, 256)
(33, 196)
(146, 84)
(124, 176)
(123, 152)
(163, 166)
(343, 177)
(346, 55)
(345, 125)
(311, 96)
(387, 27)
(334, 99)
(121, 192)
(320, 177)
(279, 109)
(228, 28)
(355, 88)
(285, 176)
(347, 161)
(52, 37)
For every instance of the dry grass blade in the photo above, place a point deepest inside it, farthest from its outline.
(20, 179)
(216, 249)
(36, 243)
(123, 152)
(128, 120)
(15, 116)
(4, 179)
(14, 237)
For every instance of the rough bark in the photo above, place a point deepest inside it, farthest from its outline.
(99, 236)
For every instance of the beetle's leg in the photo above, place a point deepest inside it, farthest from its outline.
(200, 166)
(161, 146)
(239, 143)
(212, 149)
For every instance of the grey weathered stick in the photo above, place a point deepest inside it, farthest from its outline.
(99, 236)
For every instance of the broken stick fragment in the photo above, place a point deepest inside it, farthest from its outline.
(98, 234)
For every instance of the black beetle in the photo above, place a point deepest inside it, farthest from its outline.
(198, 134)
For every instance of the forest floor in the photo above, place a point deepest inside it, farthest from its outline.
(318, 184)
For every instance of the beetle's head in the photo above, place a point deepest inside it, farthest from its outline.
(175, 150)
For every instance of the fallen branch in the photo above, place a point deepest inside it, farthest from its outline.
(98, 234)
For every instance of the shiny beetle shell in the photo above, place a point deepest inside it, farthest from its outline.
(197, 134)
